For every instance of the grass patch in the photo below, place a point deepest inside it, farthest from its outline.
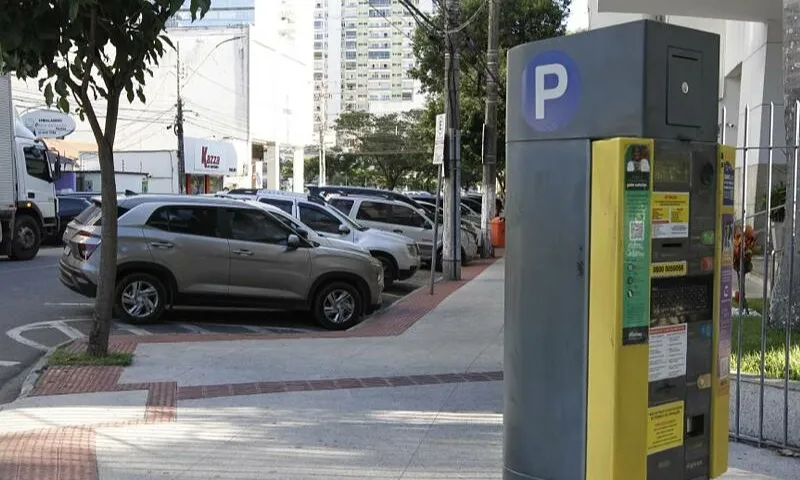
(774, 354)
(62, 357)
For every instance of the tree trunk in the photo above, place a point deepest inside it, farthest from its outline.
(785, 302)
(106, 285)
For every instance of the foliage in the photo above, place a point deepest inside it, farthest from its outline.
(750, 245)
(778, 200)
(521, 21)
(381, 150)
(83, 51)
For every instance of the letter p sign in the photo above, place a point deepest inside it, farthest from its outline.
(551, 91)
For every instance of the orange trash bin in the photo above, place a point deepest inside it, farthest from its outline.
(498, 232)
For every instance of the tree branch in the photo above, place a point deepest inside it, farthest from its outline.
(87, 67)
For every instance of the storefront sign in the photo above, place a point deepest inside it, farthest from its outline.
(209, 157)
(49, 123)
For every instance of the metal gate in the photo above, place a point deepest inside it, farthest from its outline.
(765, 391)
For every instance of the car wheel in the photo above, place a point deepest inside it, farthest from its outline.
(27, 238)
(338, 306)
(140, 298)
(389, 270)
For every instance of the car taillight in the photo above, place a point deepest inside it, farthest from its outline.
(84, 250)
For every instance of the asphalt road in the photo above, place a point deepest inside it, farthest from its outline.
(38, 313)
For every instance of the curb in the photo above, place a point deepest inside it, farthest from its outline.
(37, 370)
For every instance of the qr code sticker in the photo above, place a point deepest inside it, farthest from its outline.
(636, 230)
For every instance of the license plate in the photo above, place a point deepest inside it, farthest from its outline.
(67, 249)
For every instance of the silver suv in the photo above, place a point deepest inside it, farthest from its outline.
(399, 254)
(399, 217)
(179, 250)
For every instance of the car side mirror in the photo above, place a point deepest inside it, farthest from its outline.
(293, 242)
(58, 168)
(428, 226)
(344, 229)
(303, 232)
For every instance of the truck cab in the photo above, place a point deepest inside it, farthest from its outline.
(33, 215)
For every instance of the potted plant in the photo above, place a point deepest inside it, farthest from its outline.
(750, 238)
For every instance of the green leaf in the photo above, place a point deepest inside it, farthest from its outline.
(63, 104)
(167, 40)
(48, 94)
(140, 94)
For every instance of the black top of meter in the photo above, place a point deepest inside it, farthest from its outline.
(639, 79)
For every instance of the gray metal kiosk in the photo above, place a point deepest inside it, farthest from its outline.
(614, 218)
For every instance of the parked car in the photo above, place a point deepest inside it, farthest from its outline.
(182, 250)
(468, 215)
(399, 217)
(69, 207)
(398, 254)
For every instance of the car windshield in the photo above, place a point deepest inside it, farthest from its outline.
(347, 220)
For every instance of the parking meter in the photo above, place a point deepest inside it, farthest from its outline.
(619, 246)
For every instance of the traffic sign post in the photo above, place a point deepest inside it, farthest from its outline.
(438, 159)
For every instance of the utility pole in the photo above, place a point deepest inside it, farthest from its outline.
(451, 261)
(179, 128)
(323, 126)
(490, 131)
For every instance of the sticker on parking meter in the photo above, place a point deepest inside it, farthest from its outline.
(664, 427)
(636, 293)
(728, 175)
(670, 215)
(725, 298)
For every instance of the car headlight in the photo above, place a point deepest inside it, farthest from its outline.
(413, 250)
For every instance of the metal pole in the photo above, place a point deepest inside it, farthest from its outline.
(452, 181)
(490, 131)
(739, 325)
(789, 304)
(765, 286)
(435, 252)
(179, 129)
(724, 124)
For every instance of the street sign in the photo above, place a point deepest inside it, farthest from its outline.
(49, 123)
(438, 147)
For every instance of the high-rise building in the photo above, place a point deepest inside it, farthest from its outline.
(362, 56)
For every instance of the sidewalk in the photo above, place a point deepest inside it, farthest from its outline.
(415, 393)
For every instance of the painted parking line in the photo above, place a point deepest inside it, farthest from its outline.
(131, 329)
(192, 328)
(69, 304)
(72, 332)
(18, 333)
(6, 363)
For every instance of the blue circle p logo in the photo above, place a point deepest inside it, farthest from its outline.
(551, 90)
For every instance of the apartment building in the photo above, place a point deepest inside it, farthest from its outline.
(362, 55)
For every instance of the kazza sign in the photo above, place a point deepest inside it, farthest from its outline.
(551, 91)
(209, 157)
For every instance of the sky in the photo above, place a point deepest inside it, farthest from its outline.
(579, 15)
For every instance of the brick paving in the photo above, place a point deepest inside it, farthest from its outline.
(67, 453)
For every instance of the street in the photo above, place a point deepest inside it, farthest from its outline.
(38, 313)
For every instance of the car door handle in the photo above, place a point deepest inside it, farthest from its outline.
(244, 253)
(397, 230)
(161, 245)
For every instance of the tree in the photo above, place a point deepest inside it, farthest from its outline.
(521, 21)
(84, 51)
(383, 148)
(783, 307)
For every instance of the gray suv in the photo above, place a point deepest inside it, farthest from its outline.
(179, 250)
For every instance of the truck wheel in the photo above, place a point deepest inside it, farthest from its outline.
(140, 298)
(27, 238)
(337, 306)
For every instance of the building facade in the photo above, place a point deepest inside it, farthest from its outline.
(750, 77)
(362, 55)
(244, 73)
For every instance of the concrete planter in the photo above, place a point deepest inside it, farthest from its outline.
(773, 409)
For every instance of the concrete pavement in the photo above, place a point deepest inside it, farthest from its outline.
(423, 401)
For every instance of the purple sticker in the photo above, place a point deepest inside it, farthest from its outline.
(725, 297)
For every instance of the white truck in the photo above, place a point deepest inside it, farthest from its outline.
(28, 171)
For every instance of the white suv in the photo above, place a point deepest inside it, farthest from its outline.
(399, 217)
(399, 254)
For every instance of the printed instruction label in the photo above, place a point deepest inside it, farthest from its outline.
(664, 427)
(724, 336)
(669, 269)
(670, 214)
(667, 352)
(636, 244)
